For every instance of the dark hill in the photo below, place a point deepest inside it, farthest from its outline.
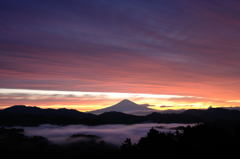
(118, 118)
(212, 114)
(25, 115)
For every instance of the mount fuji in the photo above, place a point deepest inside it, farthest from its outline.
(126, 106)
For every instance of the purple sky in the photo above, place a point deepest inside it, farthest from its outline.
(186, 48)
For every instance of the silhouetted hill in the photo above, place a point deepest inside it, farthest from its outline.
(213, 114)
(172, 118)
(22, 109)
(118, 117)
(24, 115)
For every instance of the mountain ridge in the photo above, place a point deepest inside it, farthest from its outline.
(21, 115)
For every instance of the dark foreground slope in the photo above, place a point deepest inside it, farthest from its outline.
(32, 116)
(209, 140)
(14, 144)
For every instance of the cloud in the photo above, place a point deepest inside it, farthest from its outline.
(165, 106)
(146, 105)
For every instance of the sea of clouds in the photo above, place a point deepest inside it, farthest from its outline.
(114, 134)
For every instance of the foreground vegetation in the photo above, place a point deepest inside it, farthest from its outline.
(218, 139)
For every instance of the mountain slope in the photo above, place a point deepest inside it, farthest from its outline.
(27, 115)
(126, 106)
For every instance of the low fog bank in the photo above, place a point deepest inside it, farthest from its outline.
(114, 134)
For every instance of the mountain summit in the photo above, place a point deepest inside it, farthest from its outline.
(126, 106)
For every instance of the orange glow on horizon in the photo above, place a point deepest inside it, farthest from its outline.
(163, 106)
(88, 101)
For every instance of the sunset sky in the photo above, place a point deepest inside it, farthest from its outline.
(89, 54)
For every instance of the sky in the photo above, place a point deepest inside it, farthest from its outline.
(86, 55)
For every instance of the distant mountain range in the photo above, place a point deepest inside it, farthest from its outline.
(32, 116)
